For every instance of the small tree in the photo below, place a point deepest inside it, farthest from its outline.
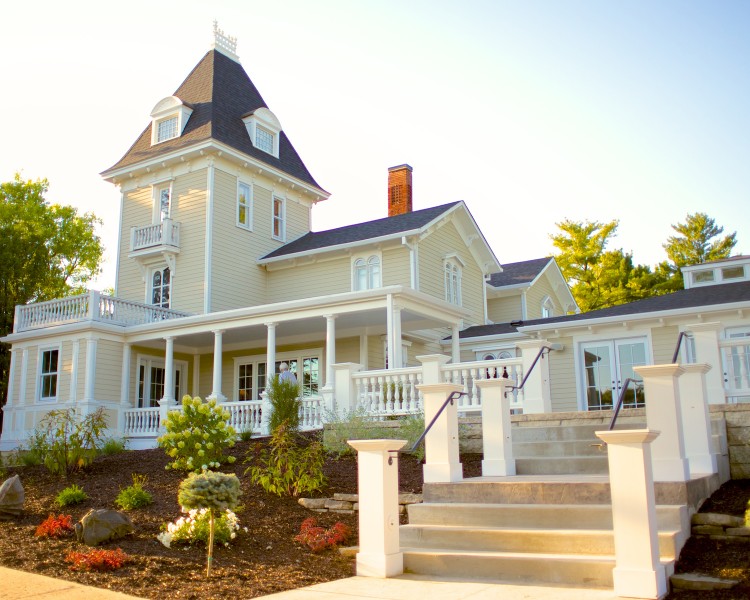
(70, 443)
(284, 397)
(214, 492)
(197, 435)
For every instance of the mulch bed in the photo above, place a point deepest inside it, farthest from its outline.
(266, 559)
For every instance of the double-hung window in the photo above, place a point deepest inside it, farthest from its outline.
(48, 374)
(366, 274)
(244, 206)
(279, 219)
(166, 129)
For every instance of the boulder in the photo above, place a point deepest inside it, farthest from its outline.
(11, 498)
(102, 525)
(696, 581)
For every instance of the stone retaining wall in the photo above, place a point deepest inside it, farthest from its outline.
(349, 503)
(720, 527)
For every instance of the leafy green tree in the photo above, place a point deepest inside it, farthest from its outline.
(47, 251)
(697, 242)
(598, 277)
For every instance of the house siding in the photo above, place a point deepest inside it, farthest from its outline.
(108, 371)
(315, 279)
(535, 296)
(562, 375)
(395, 267)
(663, 342)
(504, 310)
(137, 211)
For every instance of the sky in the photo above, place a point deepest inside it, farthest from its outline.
(530, 111)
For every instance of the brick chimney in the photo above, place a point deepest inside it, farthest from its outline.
(399, 190)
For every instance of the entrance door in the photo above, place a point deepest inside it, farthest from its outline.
(607, 364)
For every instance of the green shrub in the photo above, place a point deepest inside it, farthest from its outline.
(113, 446)
(67, 442)
(195, 528)
(32, 452)
(286, 467)
(134, 496)
(357, 425)
(285, 403)
(71, 495)
(246, 436)
(197, 436)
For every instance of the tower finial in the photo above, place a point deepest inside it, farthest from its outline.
(224, 43)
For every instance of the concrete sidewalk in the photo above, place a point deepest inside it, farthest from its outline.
(20, 585)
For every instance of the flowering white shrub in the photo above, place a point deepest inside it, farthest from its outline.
(195, 528)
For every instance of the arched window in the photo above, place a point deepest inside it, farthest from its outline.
(366, 274)
(548, 308)
(453, 282)
(161, 283)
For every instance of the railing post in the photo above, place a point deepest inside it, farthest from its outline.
(496, 433)
(377, 475)
(663, 414)
(442, 463)
(93, 312)
(132, 238)
(696, 422)
(265, 413)
(431, 365)
(345, 398)
(536, 390)
(166, 231)
(638, 572)
(17, 319)
(706, 343)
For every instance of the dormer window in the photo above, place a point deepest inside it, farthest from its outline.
(168, 119)
(264, 129)
(452, 271)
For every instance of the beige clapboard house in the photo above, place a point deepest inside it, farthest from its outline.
(220, 279)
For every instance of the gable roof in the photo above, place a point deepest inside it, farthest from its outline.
(519, 272)
(713, 295)
(362, 232)
(220, 93)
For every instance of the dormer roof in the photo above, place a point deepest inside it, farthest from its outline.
(220, 94)
(519, 272)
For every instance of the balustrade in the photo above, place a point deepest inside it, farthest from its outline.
(166, 233)
(469, 373)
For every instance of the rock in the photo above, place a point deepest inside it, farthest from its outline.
(11, 498)
(717, 520)
(707, 530)
(337, 505)
(350, 551)
(312, 503)
(695, 581)
(739, 531)
(101, 525)
(346, 497)
(409, 498)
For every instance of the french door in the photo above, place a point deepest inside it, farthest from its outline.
(607, 365)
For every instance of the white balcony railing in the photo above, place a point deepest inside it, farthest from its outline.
(166, 233)
(93, 306)
(735, 355)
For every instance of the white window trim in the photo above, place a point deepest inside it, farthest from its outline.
(366, 258)
(150, 269)
(455, 260)
(58, 373)
(255, 359)
(549, 305)
(157, 361)
(268, 121)
(282, 236)
(156, 189)
(168, 108)
(249, 208)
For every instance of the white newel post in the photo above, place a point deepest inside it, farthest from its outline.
(442, 463)
(377, 475)
(496, 433)
(707, 351)
(638, 573)
(663, 414)
(696, 422)
(536, 391)
(216, 390)
(346, 399)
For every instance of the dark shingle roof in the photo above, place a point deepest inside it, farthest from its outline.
(519, 272)
(726, 293)
(361, 232)
(220, 93)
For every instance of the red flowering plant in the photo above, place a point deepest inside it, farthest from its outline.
(55, 526)
(318, 538)
(97, 560)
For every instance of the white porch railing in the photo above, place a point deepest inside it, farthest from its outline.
(245, 415)
(141, 422)
(394, 392)
(735, 355)
(93, 306)
(166, 233)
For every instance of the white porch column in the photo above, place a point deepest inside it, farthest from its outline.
(346, 399)
(696, 422)
(169, 371)
(393, 334)
(9, 418)
(706, 339)
(88, 405)
(363, 350)
(442, 463)
(11, 379)
(377, 476)
(330, 350)
(24, 376)
(74, 370)
(196, 375)
(663, 414)
(216, 391)
(270, 351)
(125, 376)
(455, 344)
(638, 572)
(536, 391)
(496, 433)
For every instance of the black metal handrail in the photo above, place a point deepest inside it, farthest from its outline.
(533, 364)
(449, 400)
(683, 334)
(620, 400)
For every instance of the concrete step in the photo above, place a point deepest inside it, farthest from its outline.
(535, 541)
(567, 465)
(563, 433)
(540, 516)
(589, 571)
(568, 448)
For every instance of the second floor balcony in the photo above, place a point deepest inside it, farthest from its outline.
(154, 239)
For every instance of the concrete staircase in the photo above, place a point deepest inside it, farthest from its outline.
(551, 524)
